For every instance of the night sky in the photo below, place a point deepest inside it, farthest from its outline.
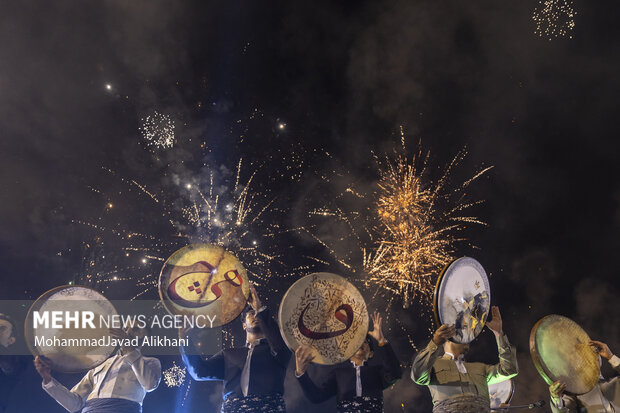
(308, 90)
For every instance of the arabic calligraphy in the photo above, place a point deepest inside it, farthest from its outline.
(201, 276)
(326, 312)
(346, 319)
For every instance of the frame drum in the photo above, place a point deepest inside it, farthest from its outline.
(204, 280)
(463, 298)
(501, 392)
(326, 312)
(79, 356)
(560, 350)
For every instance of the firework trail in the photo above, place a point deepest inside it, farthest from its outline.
(188, 199)
(225, 211)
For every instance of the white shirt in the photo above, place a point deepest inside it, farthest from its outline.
(460, 365)
(127, 377)
(358, 378)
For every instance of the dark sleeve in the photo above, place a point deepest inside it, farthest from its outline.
(390, 365)
(272, 333)
(200, 369)
(318, 394)
(12, 365)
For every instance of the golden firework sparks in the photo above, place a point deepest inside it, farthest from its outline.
(229, 212)
(398, 234)
(418, 222)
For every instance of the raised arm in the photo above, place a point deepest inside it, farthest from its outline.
(270, 329)
(199, 369)
(72, 400)
(389, 362)
(146, 369)
(425, 359)
(314, 393)
(611, 387)
(507, 366)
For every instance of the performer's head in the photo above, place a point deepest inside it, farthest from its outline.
(7, 330)
(455, 349)
(251, 325)
(366, 351)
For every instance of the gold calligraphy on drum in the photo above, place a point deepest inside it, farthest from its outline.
(204, 279)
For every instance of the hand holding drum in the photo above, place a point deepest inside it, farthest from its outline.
(303, 358)
(43, 368)
(443, 333)
(602, 349)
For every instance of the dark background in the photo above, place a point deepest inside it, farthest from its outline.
(343, 76)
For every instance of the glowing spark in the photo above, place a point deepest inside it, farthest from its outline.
(174, 376)
(418, 223)
(108, 86)
(158, 130)
(216, 204)
(554, 18)
(407, 233)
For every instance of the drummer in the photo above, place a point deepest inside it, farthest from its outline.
(457, 385)
(118, 385)
(253, 375)
(604, 397)
(358, 386)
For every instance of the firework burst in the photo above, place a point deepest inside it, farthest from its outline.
(417, 225)
(158, 130)
(554, 18)
(222, 209)
(174, 376)
(187, 197)
(401, 231)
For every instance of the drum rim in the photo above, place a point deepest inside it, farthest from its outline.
(438, 285)
(512, 390)
(164, 300)
(538, 362)
(280, 323)
(28, 337)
